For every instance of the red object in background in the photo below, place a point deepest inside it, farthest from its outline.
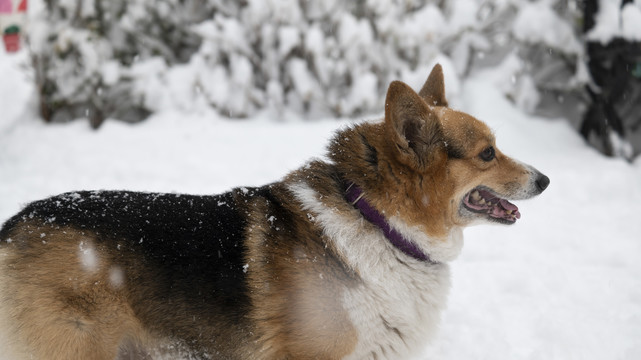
(11, 42)
(23, 6)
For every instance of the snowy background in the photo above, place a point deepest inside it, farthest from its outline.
(563, 283)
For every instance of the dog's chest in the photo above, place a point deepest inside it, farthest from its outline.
(397, 314)
(396, 306)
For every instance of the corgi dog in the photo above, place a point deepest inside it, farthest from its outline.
(344, 258)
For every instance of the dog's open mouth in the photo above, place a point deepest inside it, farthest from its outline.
(482, 201)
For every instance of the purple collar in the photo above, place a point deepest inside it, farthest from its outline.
(354, 194)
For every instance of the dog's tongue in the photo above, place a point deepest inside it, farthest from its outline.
(508, 205)
(501, 209)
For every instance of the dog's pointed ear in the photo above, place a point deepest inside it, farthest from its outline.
(433, 91)
(412, 127)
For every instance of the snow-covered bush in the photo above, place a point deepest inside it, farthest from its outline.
(85, 53)
(532, 49)
(128, 58)
(336, 58)
(315, 58)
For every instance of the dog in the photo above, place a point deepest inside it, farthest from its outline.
(344, 258)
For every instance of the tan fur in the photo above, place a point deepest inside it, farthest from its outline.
(64, 310)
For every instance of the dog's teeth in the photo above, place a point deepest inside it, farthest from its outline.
(509, 212)
(476, 196)
(482, 202)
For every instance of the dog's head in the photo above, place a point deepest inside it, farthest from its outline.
(436, 167)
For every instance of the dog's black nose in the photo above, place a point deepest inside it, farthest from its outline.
(542, 182)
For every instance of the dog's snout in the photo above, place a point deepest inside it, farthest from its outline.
(542, 182)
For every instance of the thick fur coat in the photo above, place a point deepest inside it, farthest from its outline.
(290, 270)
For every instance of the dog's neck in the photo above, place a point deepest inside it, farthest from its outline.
(355, 195)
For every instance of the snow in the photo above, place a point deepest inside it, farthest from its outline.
(88, 257)
(631, 22)
(563, 283)
(289, 38)
(509, 77)
(613, 21)
(538, 23)
(116, 276)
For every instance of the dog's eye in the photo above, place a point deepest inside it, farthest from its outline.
(487, 154)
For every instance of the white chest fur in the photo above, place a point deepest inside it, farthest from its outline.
(396, 307)
(397, 315)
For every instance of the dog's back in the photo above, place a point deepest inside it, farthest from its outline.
(81, 269)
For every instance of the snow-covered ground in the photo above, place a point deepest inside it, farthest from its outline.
(563, 283)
